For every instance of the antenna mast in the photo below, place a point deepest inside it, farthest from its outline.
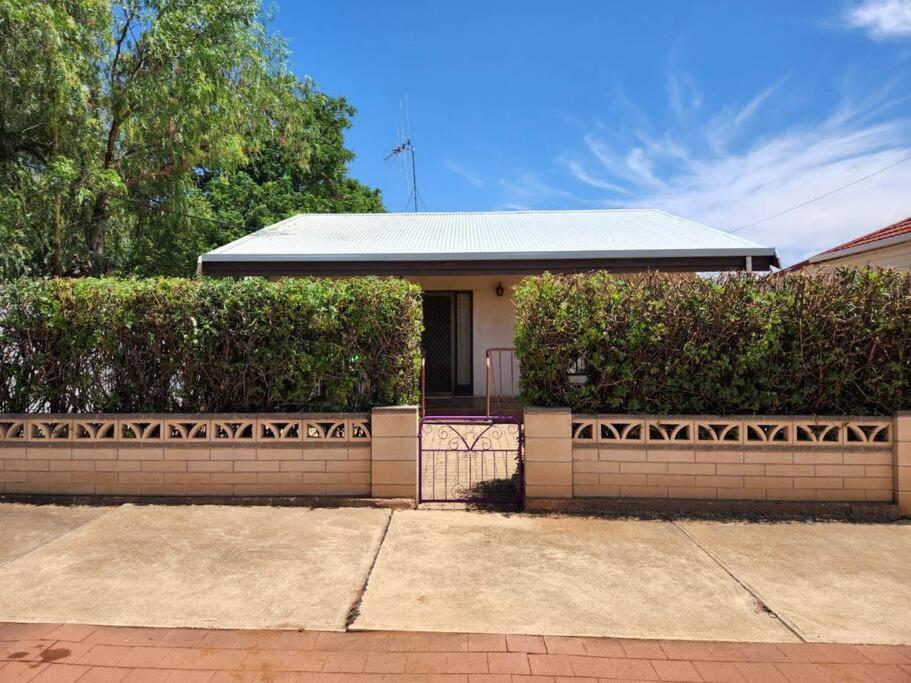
(402, 148)
(406, 146)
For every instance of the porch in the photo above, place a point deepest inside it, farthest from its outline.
(501, 390)
(471, 405)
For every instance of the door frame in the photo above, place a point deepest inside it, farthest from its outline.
(458, 389)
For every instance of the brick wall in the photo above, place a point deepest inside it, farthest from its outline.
(727, 474)
(716, 458)
(199, 455)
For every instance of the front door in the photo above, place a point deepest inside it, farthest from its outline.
(447, 343)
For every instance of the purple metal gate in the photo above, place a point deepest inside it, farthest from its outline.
(470, 460)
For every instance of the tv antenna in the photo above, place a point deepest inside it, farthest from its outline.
(405, 146)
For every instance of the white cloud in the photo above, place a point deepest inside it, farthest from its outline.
(584, 176)
(730, 121)
(720, 179)
(683, 94)
(471, 178)
(527, 189)
(881, 18)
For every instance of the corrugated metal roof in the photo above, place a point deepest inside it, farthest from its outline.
(489, 235)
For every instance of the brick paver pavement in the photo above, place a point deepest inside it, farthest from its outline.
(62, 653)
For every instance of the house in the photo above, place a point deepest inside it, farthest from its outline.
(468, 263)
(888, 247)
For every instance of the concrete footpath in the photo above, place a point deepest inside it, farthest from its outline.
(201, 567)
(455, 571)
(775, 582)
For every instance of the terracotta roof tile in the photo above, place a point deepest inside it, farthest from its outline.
(903, 227)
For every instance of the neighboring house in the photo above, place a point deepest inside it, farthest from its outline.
(468, 264)
(888, 247)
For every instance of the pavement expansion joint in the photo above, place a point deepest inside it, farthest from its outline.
(355, 610)
(762, 602)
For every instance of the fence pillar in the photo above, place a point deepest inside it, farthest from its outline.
(902, 442)
(394, 452)
(548, 453)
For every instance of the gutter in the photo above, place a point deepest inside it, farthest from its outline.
(742, 252)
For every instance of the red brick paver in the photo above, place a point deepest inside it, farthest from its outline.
(103, 654)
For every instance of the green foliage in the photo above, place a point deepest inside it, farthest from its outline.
(176, 345)
(115, 116)
(823, 344)
(276, 183)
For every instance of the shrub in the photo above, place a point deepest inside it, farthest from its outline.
(823, 344)
(205, 345)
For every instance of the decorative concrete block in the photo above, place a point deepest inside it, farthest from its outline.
(548, 474)
(903, 427)
(394, 448)
(536, 491)
(548, 450)
(392, 490)
(394, 472)
(394, 421)
(549, 423)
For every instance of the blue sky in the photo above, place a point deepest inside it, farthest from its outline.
(724, 112)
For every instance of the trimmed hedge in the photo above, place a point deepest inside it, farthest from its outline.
(208, 345)
(823, 344)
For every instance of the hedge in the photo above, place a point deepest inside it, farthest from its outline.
(208, 345)
(824, 344)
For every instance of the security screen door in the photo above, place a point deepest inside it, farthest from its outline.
(447, 343)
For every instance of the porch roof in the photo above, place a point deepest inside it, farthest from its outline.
(493, 241)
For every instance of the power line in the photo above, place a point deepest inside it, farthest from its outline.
(823, 196)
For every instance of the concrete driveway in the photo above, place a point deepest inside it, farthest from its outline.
(207, 566)
(233, 567)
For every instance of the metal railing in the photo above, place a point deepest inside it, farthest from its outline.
(502, 375)
(423, 391)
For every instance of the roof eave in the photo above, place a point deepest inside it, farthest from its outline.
(288, 268)
(741, 252)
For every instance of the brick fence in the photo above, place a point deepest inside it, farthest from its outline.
(334, 454)
(567, 457)
(844, 459)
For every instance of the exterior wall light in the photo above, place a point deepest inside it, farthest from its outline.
(500, 289)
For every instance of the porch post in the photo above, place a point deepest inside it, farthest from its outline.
(394, 452)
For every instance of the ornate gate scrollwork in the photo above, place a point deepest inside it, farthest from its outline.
(470, 460)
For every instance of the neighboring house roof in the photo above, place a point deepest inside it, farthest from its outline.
(891, 234)
(884, 237)
(494, 241)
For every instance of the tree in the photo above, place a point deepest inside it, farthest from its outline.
(117, 117)
(275, 184)
(49, 80)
